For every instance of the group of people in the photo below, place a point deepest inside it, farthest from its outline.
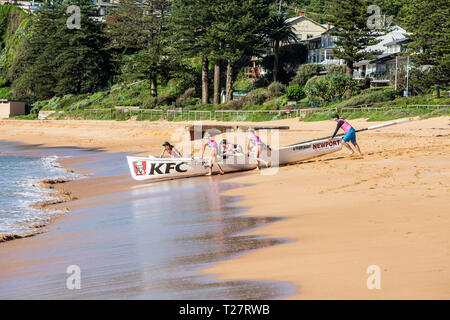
(254, 144)
(225, 149)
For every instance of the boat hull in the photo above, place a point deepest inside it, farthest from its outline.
(146, 168)
(142, 168)
(302, 151)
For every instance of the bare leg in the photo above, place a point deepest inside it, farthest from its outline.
(209, 167)
(218, 166)
(258, 159)
(213, 160)
(357, 147)
(348, 147)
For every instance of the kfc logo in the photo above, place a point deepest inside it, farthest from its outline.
(139, 167)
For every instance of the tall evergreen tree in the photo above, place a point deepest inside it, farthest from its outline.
(189, 23)
(429, 23)
(138, 27)
(349, 18)
(56, 60)
(239, 30)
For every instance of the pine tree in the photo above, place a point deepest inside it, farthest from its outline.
(349, 19)
(238, 30)
(56, 60)
(429, 23)
(138, 27)
(189, 23)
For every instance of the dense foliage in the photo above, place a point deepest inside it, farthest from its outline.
(55, 60)
(328, 87)
(179, 53)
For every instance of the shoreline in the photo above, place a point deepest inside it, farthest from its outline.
(91, 205)
(59, 196)
(396, 168)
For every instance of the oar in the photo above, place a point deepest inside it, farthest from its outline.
(378, 126)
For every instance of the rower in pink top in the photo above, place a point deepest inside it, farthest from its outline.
(214, 151)
(171, 150)
(256, 145)
(350, 133)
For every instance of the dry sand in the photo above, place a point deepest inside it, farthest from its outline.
(388, 208)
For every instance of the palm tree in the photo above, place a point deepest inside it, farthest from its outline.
(279, 31)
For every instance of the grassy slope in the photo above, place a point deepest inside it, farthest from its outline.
(13, 29)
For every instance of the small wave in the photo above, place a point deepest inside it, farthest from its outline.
(21, 189)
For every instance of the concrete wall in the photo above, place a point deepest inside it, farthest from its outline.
(11, 108)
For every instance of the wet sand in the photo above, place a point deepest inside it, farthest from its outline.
(388, 208)
(134, 241)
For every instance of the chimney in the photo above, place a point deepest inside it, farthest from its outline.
(328, 26)
(302, 13)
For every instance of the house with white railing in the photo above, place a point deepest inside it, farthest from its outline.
(381, 69)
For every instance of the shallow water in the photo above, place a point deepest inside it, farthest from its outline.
(19, 189)
(150, 242)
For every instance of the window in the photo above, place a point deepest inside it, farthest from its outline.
(309, 36)
(299, 37)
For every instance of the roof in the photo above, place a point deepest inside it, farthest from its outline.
(398, 41)
(380, 58)
(294, 19)
(396, 33)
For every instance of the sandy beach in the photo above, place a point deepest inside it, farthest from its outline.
(344, 213)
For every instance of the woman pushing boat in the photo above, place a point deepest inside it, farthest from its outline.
(350, 133)
(171, 150)
(254, 143)
(214, 151)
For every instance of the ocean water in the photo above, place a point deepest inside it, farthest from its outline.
(19, 189)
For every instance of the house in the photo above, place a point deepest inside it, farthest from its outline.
(10, 108)
(320, 49)
(26, 5)
(380, 70)
(306, 28)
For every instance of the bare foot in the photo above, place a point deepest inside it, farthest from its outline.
(208, 174)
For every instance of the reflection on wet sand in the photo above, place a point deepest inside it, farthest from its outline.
(149, 242)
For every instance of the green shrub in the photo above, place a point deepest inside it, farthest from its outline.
(166, 99)
(234, 105)
(185, 98)
(305, 72)
(242, 83)
(370, 97)
(295, 92)
(337, 69)
(5, 93)
(82, 104)
(276, 89)
(329, 87)
(256, 97)
(52, 104)
(149, 103)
